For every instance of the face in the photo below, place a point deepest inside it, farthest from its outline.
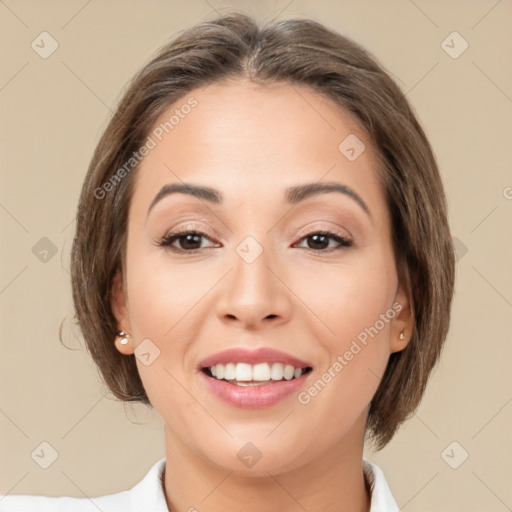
(254, 264)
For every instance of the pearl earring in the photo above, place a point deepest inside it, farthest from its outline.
(125, 337)
(402, 335)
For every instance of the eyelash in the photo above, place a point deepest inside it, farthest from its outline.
(169, 238)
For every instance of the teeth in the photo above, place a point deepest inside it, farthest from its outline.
(219, 371)
(245, 373)
(261, 372)
(230, 371)
(277, 371)
(288, 372)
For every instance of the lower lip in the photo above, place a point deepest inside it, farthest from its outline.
(253, 397)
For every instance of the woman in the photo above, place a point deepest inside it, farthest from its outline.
(262, 254)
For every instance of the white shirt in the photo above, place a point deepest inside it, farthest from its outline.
(148, 496)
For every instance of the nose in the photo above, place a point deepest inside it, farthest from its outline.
(254, 295)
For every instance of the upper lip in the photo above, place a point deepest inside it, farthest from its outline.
(260, 355)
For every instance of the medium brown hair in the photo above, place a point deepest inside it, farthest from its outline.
(297, 51)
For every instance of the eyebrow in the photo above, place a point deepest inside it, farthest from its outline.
(293, 195)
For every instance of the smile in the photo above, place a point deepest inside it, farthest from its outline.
(245, 391)
(244, 374)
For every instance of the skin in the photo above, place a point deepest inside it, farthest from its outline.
(251, 142)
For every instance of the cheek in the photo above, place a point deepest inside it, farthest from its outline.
(162, 294)
(167, 306)
(354, 306)
(347, 299)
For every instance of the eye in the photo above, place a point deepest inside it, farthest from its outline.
(190, 241)
(319, 241)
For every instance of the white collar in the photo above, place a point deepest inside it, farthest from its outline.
(381, 498)
(148, 494)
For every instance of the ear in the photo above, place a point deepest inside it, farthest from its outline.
(119, 307)
(403, 320)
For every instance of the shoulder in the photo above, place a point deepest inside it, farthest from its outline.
(381, 498)
(148, 491)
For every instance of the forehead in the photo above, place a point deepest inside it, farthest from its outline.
(248, 139)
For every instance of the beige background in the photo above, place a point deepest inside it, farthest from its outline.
(52, 113)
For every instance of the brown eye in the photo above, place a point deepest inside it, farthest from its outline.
(320, 241)
(187, 241)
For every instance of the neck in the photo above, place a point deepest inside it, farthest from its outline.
(332, 482)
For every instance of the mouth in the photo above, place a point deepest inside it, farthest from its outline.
(261, 374)
(253, 379)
